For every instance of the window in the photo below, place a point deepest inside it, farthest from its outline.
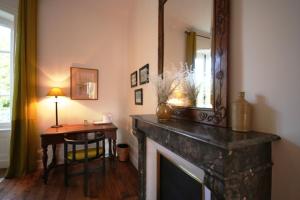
(203, 77)
(6, 66)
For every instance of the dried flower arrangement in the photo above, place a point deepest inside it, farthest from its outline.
(189, 86)
(182, 79)
(165, 85)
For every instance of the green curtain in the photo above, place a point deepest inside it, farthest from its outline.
(191, 49)
(24, 137)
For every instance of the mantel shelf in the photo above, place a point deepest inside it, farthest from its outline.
(221, 137)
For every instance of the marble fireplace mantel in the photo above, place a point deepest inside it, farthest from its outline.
(236, 165)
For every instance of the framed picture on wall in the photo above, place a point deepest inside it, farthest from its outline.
(133, 79)
(138, 96)
(144, 74)
(84, 83)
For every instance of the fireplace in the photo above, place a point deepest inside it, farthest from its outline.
(232, 165)
(170, 176)
(175, 182)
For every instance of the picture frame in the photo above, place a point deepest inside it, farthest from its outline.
(138, 96)
(133, 79)
(144, 74)
(84, 83)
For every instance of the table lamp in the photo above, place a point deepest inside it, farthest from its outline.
(56, 92)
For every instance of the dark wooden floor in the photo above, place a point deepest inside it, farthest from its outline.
(119, 182)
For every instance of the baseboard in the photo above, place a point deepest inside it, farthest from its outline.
(4, 164)
(4, 148)
(134, 160)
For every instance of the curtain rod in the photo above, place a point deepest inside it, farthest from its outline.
(207, 37)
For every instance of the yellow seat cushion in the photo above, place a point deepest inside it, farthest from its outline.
(79, 154)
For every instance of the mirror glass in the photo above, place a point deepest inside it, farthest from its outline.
(188, 44)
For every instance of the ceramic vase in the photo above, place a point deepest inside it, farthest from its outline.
(163, 111)
(241, 114)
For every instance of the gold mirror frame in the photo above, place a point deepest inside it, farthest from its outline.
(218, 114)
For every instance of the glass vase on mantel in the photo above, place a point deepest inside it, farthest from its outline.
(241, 114)
(163, 111)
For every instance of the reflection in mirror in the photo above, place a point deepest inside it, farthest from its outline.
(188, 44)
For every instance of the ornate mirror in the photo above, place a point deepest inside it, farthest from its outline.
(193, 36)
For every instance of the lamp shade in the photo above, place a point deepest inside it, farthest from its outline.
(55, 92)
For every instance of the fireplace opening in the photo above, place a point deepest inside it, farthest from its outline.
(173, 182)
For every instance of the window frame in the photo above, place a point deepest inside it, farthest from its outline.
(9, 23)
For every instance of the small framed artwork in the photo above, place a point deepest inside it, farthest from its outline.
(144, 74)
(138, 96)
(133, 79)
(84, 83)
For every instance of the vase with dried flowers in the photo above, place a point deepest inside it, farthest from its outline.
(189, 86)
(165, 85)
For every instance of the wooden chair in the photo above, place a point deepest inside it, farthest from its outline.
(84, 155)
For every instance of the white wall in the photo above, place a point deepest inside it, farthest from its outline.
(143, 45)
(90, 33)
(264, 62)
(174, 43)
(10, 6)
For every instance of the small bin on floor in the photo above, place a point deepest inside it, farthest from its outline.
(123, 152)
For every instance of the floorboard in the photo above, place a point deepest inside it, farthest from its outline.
(119, 181)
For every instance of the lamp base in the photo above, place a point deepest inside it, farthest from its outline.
(56, 126)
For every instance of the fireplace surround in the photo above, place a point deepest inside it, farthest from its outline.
(190, 172)
(235, 165)
(175, 183)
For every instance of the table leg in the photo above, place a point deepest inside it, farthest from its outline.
(115, 149)
(53, 162)
(109, 148)
(45, 161)
(45, 165)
